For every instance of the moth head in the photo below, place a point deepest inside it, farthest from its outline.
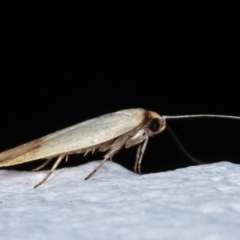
(156, 123)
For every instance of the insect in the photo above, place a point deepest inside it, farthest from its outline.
(110, 132)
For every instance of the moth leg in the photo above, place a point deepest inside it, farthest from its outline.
(137, 157)
(140, 151)
(109, 155)
(102, 162)
(42, 165)
(51, 171)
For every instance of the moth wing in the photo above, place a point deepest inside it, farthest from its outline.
(76, 138)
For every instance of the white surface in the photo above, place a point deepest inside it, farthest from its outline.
(199, 202)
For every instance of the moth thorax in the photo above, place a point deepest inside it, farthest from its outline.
(157, 125)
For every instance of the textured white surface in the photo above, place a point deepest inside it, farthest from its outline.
(199, 202)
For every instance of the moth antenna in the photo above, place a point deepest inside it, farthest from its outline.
(201, 116)
(182, 148)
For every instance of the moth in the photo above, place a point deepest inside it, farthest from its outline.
(110, 132)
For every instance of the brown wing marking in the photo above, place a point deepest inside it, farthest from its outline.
(7, 157)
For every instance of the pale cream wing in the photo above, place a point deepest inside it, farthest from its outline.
(80, 136)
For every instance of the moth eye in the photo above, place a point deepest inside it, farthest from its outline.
(154, 125)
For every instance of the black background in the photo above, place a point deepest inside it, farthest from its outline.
(67, 63)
